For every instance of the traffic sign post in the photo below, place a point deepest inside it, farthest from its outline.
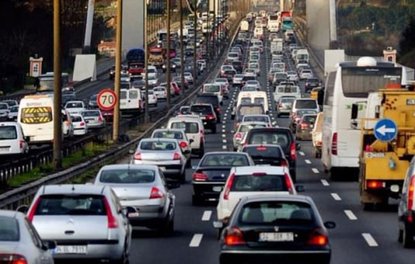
(385, 130)
(106, 99)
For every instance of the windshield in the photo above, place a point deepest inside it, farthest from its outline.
(8, 132)
(224, 160)
(158, 145)
(9, 229)
(128, 176)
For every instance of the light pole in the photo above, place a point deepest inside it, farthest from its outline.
(117, 86)
(57, 100)
(195, 40)
(181, 43)
(168, 73)
(146, 113)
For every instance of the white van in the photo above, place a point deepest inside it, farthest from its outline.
(214, 88)
(251, 97)
(193, 127)
(36, 118)
(131, 101)
(259, 33)
(286, 90)
(12, 140)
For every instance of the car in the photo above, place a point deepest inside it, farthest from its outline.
(4, 111)
(266, 154)
(13, 110)
(210, 174)
(275, 135)
(188, 76)
(257, 118)
(241, 129)
(287, 89)
(164, 152)
(224, 68)
(179, 134)
(254, 83)
(79, 125)
(160, 92)
(284, 105)
(10, 102)
(12, 139)
(75, 107)
(305, 74)
(253, 180)
(225, 86)
(273, 228)
(152, 98)
(296, 116)
(86, 221)
(20, 242)
(406, 208)
(237, 80)
(92, 101)
(207, 115)
(178, 80)
(278, 78)
(184, 110)
(305, 103)
(311, 83)
(305, 126)
(93, 118)
(317, 135)
(143, 192)
(292, 76)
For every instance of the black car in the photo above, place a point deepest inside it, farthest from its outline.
(266, 154)
(275, 229)
(210, 98)
(173, 66)
(238, 66)
(212, 171)
(279, 136)
(207, 114)
(228, 74)
(92, 102)
(311, 83)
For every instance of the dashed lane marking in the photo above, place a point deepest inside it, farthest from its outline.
(195, 242)
(223, 135)
(336, 196)
(350, 215)
(325, 182)
(224, 141)
(315, 170)
(224, 147)
(307, 161)
(301, 153)
(370, 240)
(223, 130)
(206, 215)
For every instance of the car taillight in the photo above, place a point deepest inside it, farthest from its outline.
(318, 238)
(288, 183)
(183, 144)
(112, 221)
(137, 156)
(228, 187)
(156, 193)
(375, 184)
(234, 237)
(82, 124)
(334, 144)
(12, 259)
(21, 143)
(210, 117)
(284, 163)
(32, 211)
(199, 176)
(304, 125)
(293, 151)
(411, 190)
(176, 156)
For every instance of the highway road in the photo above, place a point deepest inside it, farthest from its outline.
(360, 236)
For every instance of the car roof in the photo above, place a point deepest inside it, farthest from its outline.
(276, 197)
(250, 170)
(71, 189)
(129, 166)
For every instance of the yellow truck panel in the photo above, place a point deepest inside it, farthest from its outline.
(388, 167)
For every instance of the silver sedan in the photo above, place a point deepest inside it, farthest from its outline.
(19, 241)
(143, 191)
(164, 152)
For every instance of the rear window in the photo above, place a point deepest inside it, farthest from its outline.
(158, 145)
(123, 95)
(71, 205)
(131, 176)
(8, 132)
(247, 110)
(168, 134)
(189, 127)
(204, 109)
(306, 104)
(265, 155)
(76, 119)
(9, 229)
(277, 212)
(74, 105)
(90, 113)
(288, 89)
(133, 94)
(213, 100)
(270, 137)
(250, 183)
(246, 128)
(309, 119)
(224, 160)
(256, 119)
(211, 88)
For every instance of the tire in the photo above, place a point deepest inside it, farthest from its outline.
(182, 177)
(201, 151)
(400, 235)
(167, 227)
(189, 163)
(407, 237)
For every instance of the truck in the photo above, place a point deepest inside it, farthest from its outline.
(276, 46)
(385, 149)
(135, 61)
(156, 56)
(287, 23)
(244, 26)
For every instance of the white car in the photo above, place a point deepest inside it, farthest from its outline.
(4, 111)
(79, 125)
(75, 107)
(93, 118)
(152, 98)
(188, 77)
(306, 74)
(241, 129)
(179, 134)
(160, 92)
(253, 180)
(12, 140)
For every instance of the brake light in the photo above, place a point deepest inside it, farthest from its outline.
(210, 116)
(156, 193)
(293, 151)
(234, 237)
(288, 183)
(112, 221)
(183, 144)
(228, 186)
(284, 163)
(318, 238)
(334, 144)
(375, 184)
(12, 259)
(259, 174)
(82, 124)
(32, 211)
(411, 191)
(137, 156)
(176, 156)
(261, 148)
(21, 143)
(238, 136)
(304, 125)
(199, 176)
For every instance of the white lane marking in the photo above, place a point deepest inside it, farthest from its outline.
(370, 240)
(223, 135)
(224, 141)
(336, 196)
(350, 215)
(307, 161)
(325, 182)
(315, 170)
(223, 126)
(301, 153)
(195, 242)
(206, 215)
(224, 147)
(223, 131)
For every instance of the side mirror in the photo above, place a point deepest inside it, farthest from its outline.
(297, 146)
(330, 224)
(355, 110)
(48, 245)
(23, 209)
(299, 188)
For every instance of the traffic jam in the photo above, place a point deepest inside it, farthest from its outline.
(236, 176)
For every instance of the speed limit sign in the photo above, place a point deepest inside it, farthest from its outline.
(106, 99)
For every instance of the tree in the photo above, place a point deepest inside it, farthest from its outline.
(407, 42)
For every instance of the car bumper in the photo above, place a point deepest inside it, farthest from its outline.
(275, 256)
(79, 132)
(99, 250)
(145, 215)
(165, 167)
(208, 190)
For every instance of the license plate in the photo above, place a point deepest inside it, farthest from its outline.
(276, 237)
(162, 168)
(71, 249)
(217, 188)
(133, 214)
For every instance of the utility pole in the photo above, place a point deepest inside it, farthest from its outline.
(181, 43)
(57, 94)
(88, 27)
(118, 38)
(168, 57)
(195, 75)
(146, 113)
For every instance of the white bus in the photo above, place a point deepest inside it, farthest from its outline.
(36, 119)
(349, 84)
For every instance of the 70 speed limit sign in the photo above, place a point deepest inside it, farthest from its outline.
(106, 99)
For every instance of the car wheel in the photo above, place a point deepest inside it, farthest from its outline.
(167, 227)
(201, 151)
(400, 235)
(407, 237)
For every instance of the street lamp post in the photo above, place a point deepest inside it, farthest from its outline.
(181, 43)
(168, 73)
(195, 75)
(57, 100)
(117, 86)
(146, 113)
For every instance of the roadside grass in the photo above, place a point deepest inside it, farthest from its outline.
(89, 151)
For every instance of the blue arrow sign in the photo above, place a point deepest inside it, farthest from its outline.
(385, 130)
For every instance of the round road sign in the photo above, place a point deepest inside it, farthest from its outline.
(106, 99)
